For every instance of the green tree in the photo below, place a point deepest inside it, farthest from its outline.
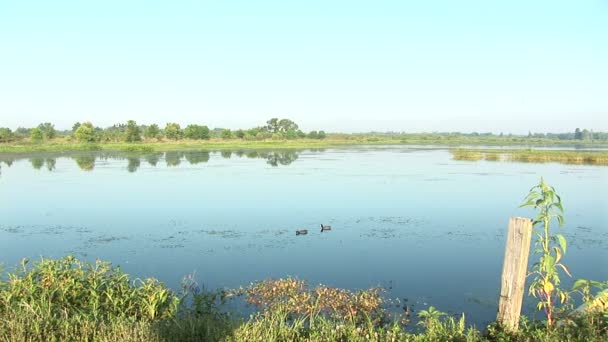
(132, 132)
(322, 135)
(152, 132)
(5, 134)
(578, 135)
(286, 125)
(85, 132)
(36, 134)
(586, 135)
(226, 134)
(313, 135)
(48, 130)
(272, 125)
(173, 131)
(197, 132)
(240, 134)
(75, 127)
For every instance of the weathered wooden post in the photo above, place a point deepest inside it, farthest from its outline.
(514, 272)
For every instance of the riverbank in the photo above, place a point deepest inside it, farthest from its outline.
(67, 299)
(333, 140)
(533, 156)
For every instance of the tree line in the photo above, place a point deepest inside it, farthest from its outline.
(275, 128)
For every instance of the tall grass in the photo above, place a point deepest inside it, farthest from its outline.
(70, 300)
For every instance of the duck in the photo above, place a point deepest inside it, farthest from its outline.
(324, 228)
(301, 232)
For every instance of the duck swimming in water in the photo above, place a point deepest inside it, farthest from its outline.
(324, 228)
(301, 232)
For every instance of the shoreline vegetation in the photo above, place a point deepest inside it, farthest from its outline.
(69, 299)
(585, 157)
(275, 134)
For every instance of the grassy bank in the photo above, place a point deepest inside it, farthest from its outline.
(533, 156)
(64, 144)
(66, 299)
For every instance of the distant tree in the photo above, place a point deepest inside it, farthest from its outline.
(152, 132)
(197, 132)
(173, 131)
(578, 135)
(322, 135)
(226, 134)
(132, 132)
(291, 134)
(85, 132)
(22, 132)
(240, 134)
(272, 125)
(6, 134)
(286, 125)
(301, 134)
(275, 125)
(75, 126)
(586, 135)
(36, 134)
(48, 130)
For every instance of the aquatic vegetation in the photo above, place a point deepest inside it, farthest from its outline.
(294, 298)
(533, 156)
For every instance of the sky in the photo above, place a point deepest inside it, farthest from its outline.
(348, 66)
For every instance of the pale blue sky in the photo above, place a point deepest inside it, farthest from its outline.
(351, 66)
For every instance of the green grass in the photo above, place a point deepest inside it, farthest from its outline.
(533, 156)
(70, 300)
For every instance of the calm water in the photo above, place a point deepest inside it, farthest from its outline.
(429, 228)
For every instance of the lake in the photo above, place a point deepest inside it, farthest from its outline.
(428, 228)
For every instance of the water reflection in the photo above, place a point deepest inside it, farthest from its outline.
(153, 158)
(197, 157)
(86, 161)
(173, 158)
(134, 163)
(37, 163)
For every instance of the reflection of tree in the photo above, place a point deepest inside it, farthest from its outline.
(197, 157)
(152, 159)
(50, 163)
(239, 153)
(133, 164)
(86, 162)
(252, 154)
(37, 162)
(281, 158)
(7, 160)
(173, 158)
(226, 154)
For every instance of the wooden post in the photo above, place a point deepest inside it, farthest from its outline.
(514, 270)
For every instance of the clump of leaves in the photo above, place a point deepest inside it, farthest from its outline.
(595, 298)
(551, 248)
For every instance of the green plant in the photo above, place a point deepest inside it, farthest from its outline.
(430, 317)
(551, 248)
